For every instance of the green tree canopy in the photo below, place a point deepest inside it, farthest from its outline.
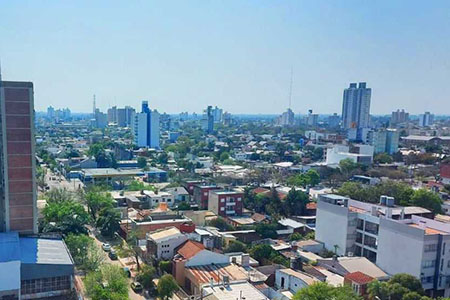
(166, 287)
(323, 291)
(110, 282)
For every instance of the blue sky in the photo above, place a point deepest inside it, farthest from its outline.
(184, 55)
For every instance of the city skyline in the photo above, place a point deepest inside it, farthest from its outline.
(184, 57)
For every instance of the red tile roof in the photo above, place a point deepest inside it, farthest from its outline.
(359, 277)
(260, 190)
(190, 249)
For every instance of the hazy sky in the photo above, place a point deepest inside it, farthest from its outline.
(184, 55)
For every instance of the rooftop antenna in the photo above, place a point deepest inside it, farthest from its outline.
(290, 87)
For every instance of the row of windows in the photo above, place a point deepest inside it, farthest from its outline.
(42, 285)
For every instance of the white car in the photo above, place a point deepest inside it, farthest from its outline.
(106, 247)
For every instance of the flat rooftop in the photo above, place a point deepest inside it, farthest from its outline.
(233, 291)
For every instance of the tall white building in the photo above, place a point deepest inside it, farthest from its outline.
(398, 239)
(287, 118)
(146, 127)
(356, 106)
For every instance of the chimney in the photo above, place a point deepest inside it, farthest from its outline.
(245, 260)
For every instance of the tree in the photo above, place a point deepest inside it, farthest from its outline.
(146, 276)
(64, 216)
(323, 291)
(94, 258)
(347, 166)
(141, 162)
(235, 246)
(220, 223)
(383, 158)
(184, 206)
(262, 253)
(163, 158)
(295, 202)
(400, 286)
(165, 266)
(78, 245)
(295, 237)
(166, 287)
(267, 230)
(97, 200)
(427, 199)
(110, 282)
(224, 156)
(58, 195)
(108, 221)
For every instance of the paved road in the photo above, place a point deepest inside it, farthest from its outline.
(58, 181)
(132, 295)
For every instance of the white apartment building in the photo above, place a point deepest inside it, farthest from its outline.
(336, 153)
(162, 243)
(397, 239)
(155, 198)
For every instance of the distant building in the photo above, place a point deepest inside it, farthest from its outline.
(362, 154)
(445, 173)
(312, 119)
(384, 140)
(427, 119)
(398, 117)
(112, 114)
(201, 194)
(334, 120)
(217, 114)
(18, 210)
(146, 127)
(287, 118)
(50, 113)
(208, 120)
(356, 106)
(100, 119)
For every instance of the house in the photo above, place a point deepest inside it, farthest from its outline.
(180, 194)
(232, 290)
(162, 243)
(154, 198)
(193, 266)
(358, 282)
(345, 265)
(288, 282)
(445, 173)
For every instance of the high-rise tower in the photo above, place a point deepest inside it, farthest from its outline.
(18, 210)
(356, 106)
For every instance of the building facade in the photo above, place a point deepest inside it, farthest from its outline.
(398, 239)
(146, 127)
(18, 210)
(356, 106)
(226, 203)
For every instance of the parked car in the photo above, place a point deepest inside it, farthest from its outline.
(106, 247)
(136, 286)
(112, 254)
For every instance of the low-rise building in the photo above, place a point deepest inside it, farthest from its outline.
(162, 243)
(201, 194)
(226, 203)
(34, 267)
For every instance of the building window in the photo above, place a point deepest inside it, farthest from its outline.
(430, 248)
(205, 194)
(239, 199)
(222, 200)
(356, 288)
(428, 264)
(222, 209)
(428, 279)
(43, 285)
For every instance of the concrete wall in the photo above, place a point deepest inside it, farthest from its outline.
(206, 257)
(332, 226)
(400, 248)
(291, 283)
(165, 250)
